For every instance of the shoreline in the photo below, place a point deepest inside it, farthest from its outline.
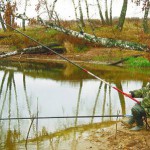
(114, 137)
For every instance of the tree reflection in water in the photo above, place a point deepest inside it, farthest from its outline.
(11, 136)
(103, 104)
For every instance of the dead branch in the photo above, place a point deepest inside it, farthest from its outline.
(124, 59)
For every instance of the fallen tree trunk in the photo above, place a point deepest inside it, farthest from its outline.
(107, 42)
(35, 50)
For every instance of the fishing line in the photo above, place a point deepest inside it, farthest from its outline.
(64, 117)
(90, 73)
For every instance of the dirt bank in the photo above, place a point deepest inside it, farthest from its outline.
(113, 138)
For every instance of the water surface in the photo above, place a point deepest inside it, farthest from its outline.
(60, 89)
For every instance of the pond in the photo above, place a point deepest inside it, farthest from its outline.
(51, 89)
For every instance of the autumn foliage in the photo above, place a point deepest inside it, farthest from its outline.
(9, 15)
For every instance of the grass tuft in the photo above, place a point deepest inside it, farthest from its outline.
(138, 62)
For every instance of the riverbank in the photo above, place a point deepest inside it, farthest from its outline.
(92, 55)
(114, 137)
(100, 136)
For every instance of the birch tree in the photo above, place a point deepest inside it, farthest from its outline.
(81, 14)
(1, 18)
(122, 15)
(23, 20)
(110, 13)
(100, 12)
(89, 20)
(145, 7)
(53, 8)
(47, 8)
(145, 19)
(75, 10)
(79, 24)
(106, 12)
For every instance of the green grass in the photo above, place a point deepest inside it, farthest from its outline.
(138, 62)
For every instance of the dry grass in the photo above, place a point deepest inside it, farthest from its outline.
(132, 32)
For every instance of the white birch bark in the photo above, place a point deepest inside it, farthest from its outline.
(30, 50)
(107, 42)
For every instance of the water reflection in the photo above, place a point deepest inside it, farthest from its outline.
(55, 89)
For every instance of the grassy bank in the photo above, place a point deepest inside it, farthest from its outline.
(74, 46)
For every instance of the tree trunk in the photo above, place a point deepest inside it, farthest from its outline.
(48, 12)
(87, 11)
(110, 13)
(23, 20)
(23, 25)
(81, 15)
(8, 16)
(100, 13)
(122, 15)
(107, 42)
(1, 20)
(145, 20)
(76, 16)
(52, 10)
(106, 13)
(35, 50)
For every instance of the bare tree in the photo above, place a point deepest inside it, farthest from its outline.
(81, 14)
(122, 15)
(23, 20)
(88, 16)
(100, 12)
(110, 21)
(75, 9)
(1, 18)
(145, 8)
(76, 16)
(53, 8)
(47, 8)
(108, 16)
(106, 12)
(2, 22)
(145, 19)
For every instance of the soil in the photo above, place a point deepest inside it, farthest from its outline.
(116, 136)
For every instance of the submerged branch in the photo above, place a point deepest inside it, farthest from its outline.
(124, 59)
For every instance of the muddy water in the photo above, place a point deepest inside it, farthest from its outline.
(28, 90)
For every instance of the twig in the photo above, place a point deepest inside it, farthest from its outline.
(29, 132)
(116, 125)
(37, 123)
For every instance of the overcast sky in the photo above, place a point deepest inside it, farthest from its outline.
(65, 9)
